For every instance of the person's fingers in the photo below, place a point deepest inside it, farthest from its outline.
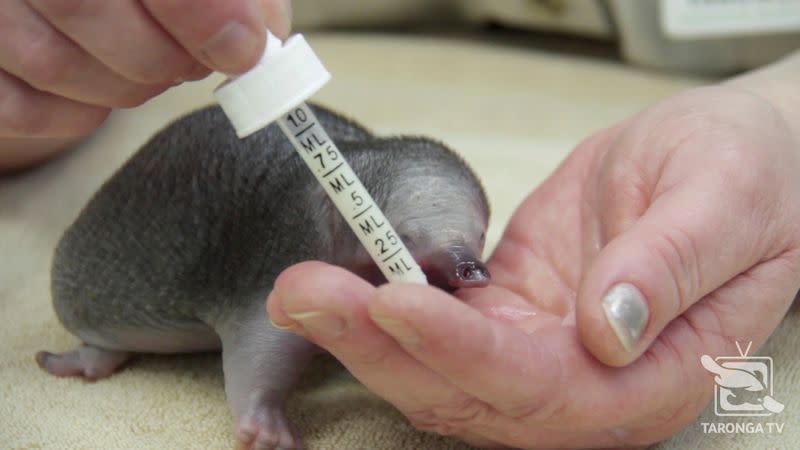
(23, 152)
(691, 239)
(44, 58)
(329, 305)
(563, 385)
(671, 257)
(27, 112)
(123, 36)
(459, 343)
(225, 36)
(536, 381)
(470, 350)
(278, 16)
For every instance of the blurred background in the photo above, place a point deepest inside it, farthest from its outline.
(708, 37)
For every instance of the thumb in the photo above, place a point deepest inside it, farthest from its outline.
(688, 242)
(278, 16)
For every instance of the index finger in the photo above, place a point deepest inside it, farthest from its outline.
(544, 378)
(456, 376)
(227, 36)
(311, 292)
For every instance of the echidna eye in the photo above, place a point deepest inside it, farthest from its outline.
(466, 272)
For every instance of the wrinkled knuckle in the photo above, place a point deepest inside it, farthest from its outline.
(677, 250)
(541, 412)
(705, 325)
(457, 415)
(426, 420)
(625, 184)
(465, 413)
(626, 179)
(374, 357)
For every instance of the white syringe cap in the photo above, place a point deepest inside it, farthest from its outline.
(287, 74)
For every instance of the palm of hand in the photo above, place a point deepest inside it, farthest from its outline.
(536, 272)
(672, 201)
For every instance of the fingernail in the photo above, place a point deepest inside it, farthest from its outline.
(320, 323)
(278, 17)
(627, 313)
(198, 73)
(231, 47)
(280, 326)
(285, 7)
(399, 329)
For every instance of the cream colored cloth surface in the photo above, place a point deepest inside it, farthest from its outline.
(512, 111)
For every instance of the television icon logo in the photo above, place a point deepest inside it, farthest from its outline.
(743, 384)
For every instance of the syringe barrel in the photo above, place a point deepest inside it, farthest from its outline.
(275, 90)
(349, 195)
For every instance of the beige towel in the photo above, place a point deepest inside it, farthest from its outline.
(514, 112)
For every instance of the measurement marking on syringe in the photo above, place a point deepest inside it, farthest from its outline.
(362, 212)
(239, 97)
(392, 255)
(332, 170)
(305, 129)
(341, 184)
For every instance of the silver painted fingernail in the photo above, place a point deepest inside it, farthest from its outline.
(627, 313)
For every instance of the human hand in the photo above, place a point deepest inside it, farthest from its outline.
(65, 64)
(693, 202)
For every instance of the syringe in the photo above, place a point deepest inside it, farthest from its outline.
(276, 90)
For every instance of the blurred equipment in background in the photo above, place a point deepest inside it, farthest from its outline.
(712, 37)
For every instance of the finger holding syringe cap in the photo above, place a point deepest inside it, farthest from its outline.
(227, 36)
